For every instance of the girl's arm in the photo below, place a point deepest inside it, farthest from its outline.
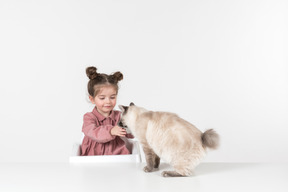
(100, 134)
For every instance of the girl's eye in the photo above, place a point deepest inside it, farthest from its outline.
(102, 98)
(112, 97)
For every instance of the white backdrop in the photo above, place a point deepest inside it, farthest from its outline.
(218, 64)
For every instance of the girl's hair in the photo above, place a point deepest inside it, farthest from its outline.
(99, 80)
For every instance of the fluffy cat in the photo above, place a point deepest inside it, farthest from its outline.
(167, 136)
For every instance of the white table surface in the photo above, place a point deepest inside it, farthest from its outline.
(208, 177)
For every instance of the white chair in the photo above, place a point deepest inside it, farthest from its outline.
(132, 145)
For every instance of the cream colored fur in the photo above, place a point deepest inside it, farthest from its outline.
(167, 136)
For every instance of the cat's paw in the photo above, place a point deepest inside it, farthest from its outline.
(165, 174)
(171, 174)
(147, 169)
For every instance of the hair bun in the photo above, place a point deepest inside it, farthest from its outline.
(118, 76)
(91, 72)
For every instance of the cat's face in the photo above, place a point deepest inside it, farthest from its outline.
(125, 115)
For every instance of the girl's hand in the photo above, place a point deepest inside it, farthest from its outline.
(118, 131)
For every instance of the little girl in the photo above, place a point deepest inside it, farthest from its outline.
(102, 135)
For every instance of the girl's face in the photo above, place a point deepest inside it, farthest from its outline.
(105, 100)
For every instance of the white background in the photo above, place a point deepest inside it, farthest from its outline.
(218, 64)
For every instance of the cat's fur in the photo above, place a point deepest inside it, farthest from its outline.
(167, 136)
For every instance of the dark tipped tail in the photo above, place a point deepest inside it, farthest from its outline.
(210, 139)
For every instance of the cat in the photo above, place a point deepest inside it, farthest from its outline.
(167, 136)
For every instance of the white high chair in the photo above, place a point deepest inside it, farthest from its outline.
(131, 144)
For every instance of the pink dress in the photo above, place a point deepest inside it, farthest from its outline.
(98, 140)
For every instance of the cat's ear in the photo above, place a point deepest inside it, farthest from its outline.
(123, 108)
(132, 104)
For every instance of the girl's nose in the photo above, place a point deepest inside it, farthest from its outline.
(107, 100)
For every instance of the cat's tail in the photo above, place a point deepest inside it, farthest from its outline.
(210, 139)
